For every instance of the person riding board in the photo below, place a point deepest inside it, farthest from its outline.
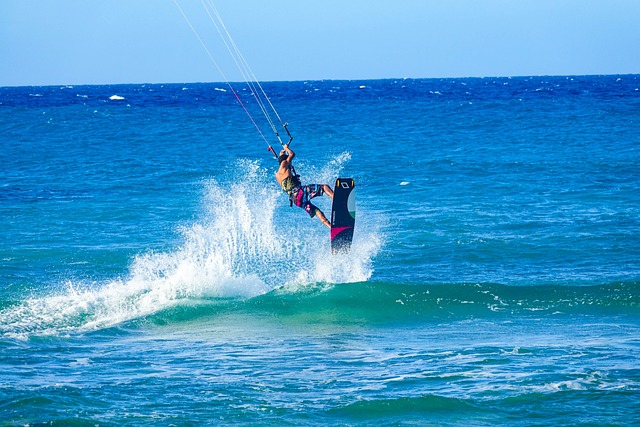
(299, 194)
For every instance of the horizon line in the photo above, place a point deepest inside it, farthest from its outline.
(320, 80)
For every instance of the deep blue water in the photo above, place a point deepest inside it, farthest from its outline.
(152, 273)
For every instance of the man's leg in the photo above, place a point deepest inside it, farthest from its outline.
(322, 218)
(327, 190)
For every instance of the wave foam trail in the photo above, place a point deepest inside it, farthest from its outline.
(247, 243)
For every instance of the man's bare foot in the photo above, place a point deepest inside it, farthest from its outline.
(323, 219)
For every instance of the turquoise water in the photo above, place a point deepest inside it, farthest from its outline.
(151, 272)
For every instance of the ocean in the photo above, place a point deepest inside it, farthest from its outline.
(153, 273)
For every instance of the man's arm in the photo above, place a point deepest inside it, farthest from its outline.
(289, 152)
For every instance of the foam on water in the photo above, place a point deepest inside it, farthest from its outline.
(245, 244)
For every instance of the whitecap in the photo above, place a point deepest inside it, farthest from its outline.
(116, 98)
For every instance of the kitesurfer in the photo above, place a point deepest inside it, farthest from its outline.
(300, 195)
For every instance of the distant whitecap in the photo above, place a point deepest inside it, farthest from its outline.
(404, 183)
(116, 98)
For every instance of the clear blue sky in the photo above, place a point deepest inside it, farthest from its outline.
(148, 41)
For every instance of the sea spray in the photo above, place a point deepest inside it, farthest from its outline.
(244, 244)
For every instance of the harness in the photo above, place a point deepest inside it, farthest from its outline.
(292, 186)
